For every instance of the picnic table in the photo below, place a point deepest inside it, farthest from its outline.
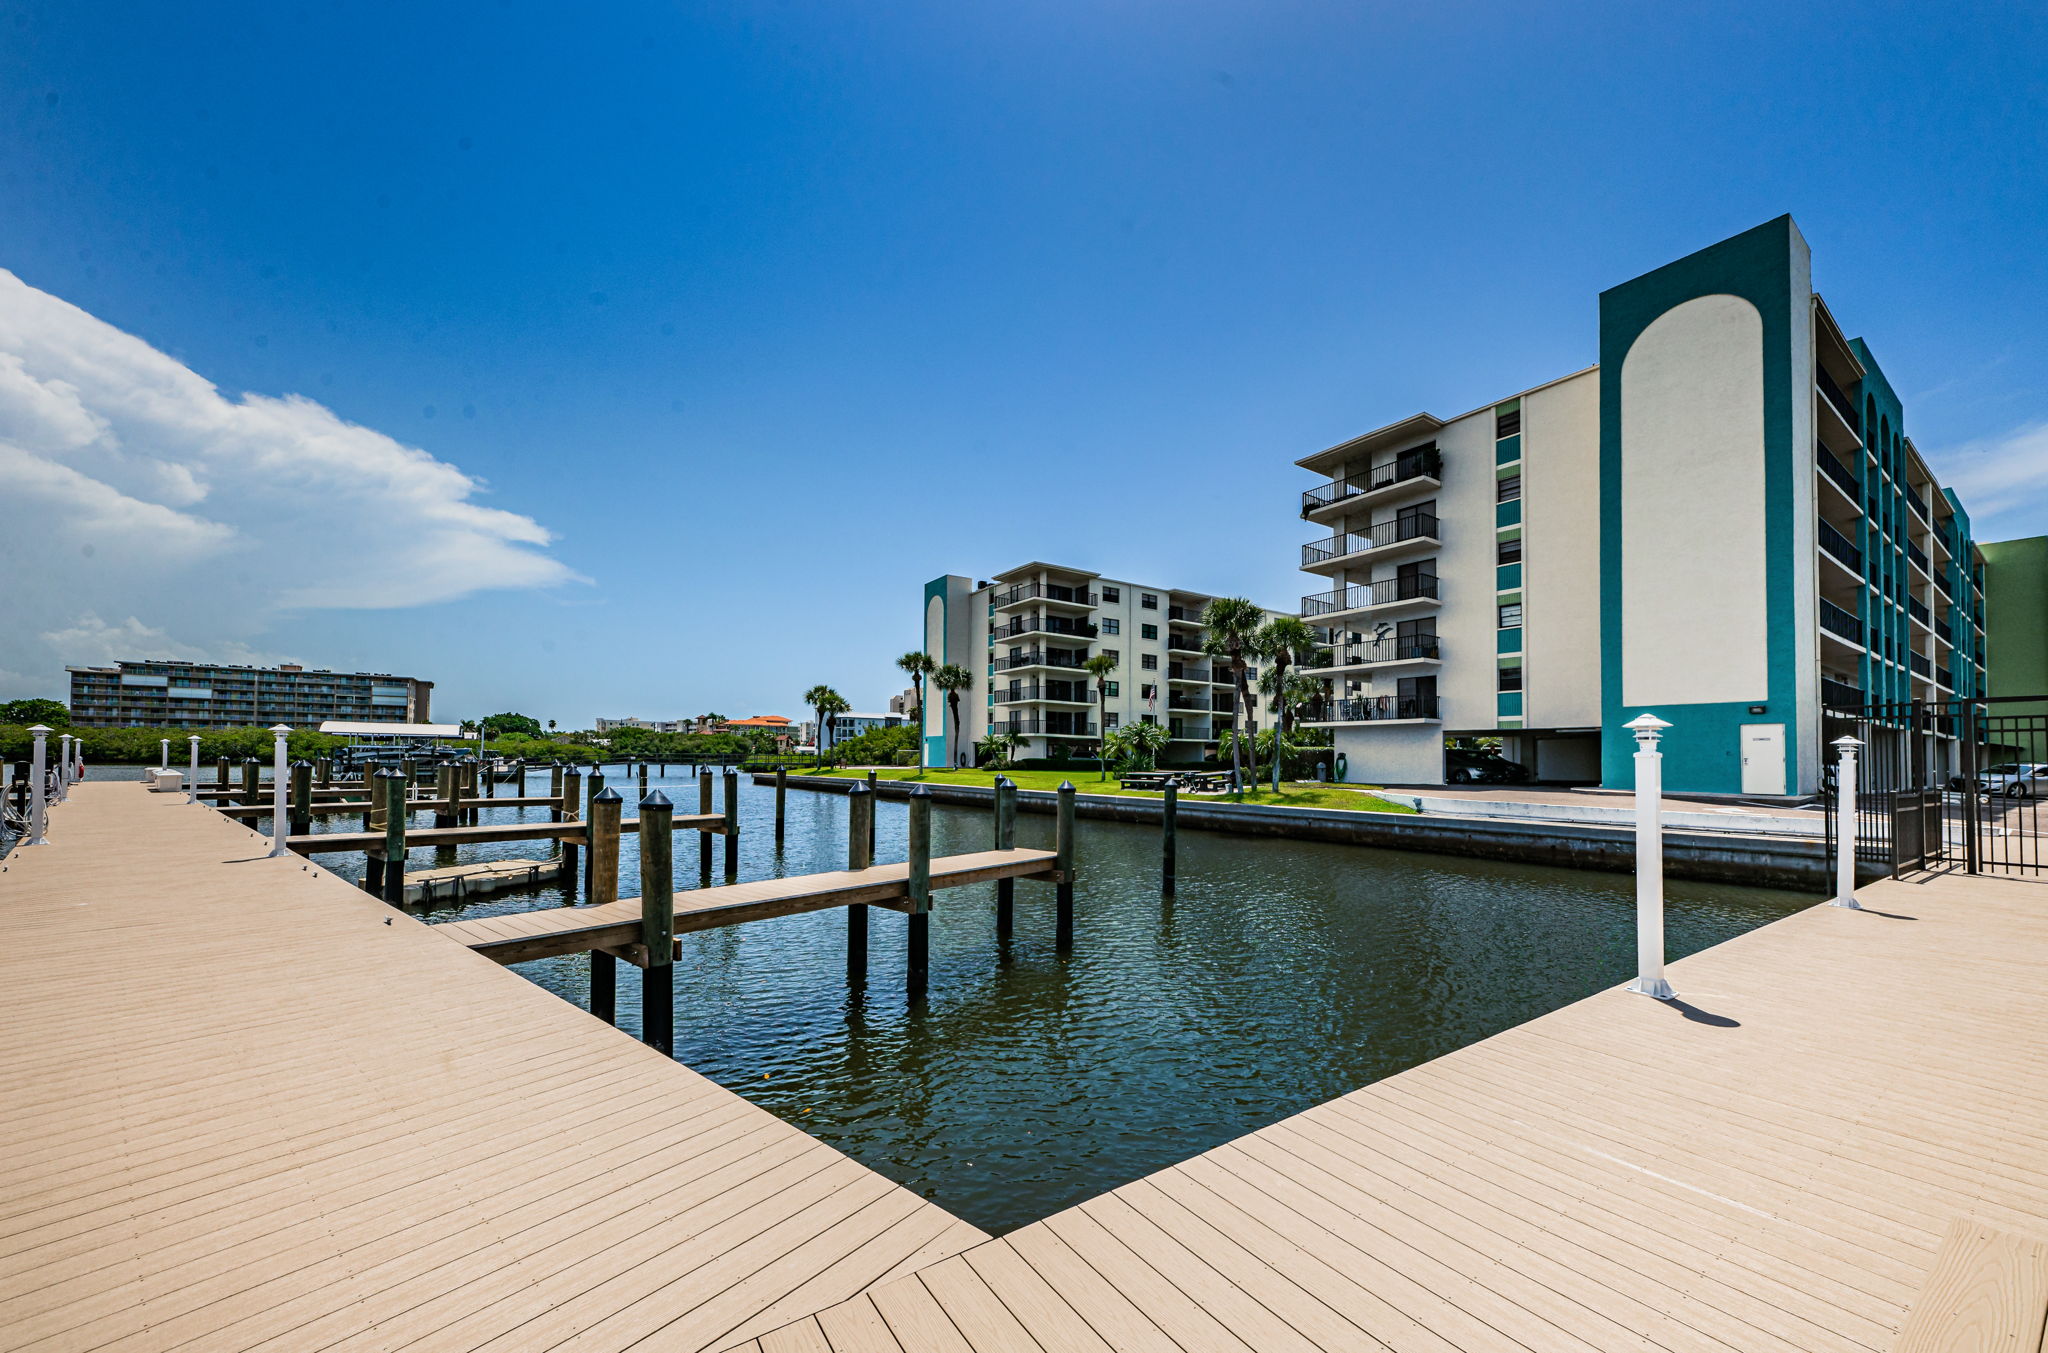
(1194, 781)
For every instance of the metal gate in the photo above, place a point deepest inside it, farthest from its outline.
(1945, 783)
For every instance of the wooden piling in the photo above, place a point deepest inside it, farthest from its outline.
(1168, 837)
(658, 922)
(781, 794)
(1006, 839)
(251, 774)
(593, 787)
(860, 854)
(222, 776)
(917, 967)
(394, 836)
(323, 772)
(409, 767)
(555, 786)
(705, 806)
(301, 798)
(605, 812)
(732, 825)
(872, 778)
(571, 804)
(1063, 852)
(447, 786)
(643, 779)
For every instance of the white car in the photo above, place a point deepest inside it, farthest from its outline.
(2015, 779)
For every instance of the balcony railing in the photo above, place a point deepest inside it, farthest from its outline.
(1360, 595)
(1840, 694)
(1835, 620)
(1941, 585)
(1181, 615)
(1922, 667)
(1393, 648)
(1372, 708)
(1918, 556)
(1428, 465)
(1052, 728)
(1176, 671)
(1831, 466)
(1843, 404)
(1044, 592)
(1837, 544)
(1072, 692)
(1919, 612)
(1418, 527)
(1050, 657)
(1197, 702)
(1049, 624)
(1919, 505)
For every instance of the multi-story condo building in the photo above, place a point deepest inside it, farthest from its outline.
(198, 695)
(1025, 634)
(1723, 523)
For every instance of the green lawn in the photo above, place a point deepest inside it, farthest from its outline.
(1356, 799)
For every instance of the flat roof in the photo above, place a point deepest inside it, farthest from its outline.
(1417, 425)
(346, 728)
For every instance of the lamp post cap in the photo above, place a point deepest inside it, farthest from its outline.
(1848, 744)
(280, 728)
(1647, 723)
(41, 728)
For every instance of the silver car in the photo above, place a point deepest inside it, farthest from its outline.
(2014, 779)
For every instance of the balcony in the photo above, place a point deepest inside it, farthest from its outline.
(1050, 657)
(1941, 586)
(1919, 506)
(1050, 728)
(1050, 692)
(1176, 671)
(1415, 531)
(1179, 641)
(1378, 652)
(1193, 702)
(1387, 592)
(1424, 466)
(1380, 709)
(1049, 592)
(1919, 612)
(1046, 624)
(1182, 615)
(1840, 695)
(1918, 556)
(1837, 545)
(1922, 667)
(1835, 620)
(1841, 402)
(1831, 465)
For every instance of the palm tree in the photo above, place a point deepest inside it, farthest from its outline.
(551, 727)
(999, 748)
(826, 702)
(1136, 746)
(953, 679)
(1099, 667)
(1233, 625)
(919, 665)
(1282, 640)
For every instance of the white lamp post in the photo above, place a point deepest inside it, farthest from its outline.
(1649, 731)
(280, 782)
(64, 769)
(192, 779)
(164, 756)
(38, 788)
(1845, 824)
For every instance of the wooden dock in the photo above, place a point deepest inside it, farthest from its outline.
(552, 931)
(248, 1106)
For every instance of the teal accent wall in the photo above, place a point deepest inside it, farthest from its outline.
(1702, 752)
(1509, 641)
(1509, 704)
(935, 749)
(1508, 513)
(1507, 450)
(1507, 576)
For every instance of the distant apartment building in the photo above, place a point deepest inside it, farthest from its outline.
(199, 695)
(1025, 634)
(852, 725)
(651, 725)
(1724, 523)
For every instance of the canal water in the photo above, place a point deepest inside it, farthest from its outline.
(1284, 974)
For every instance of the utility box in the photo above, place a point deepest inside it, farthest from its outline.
(168, 781)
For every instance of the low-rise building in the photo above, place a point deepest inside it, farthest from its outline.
(852, 725)
(166, 694)
(651, 725)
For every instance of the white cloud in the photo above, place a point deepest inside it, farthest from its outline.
(131, 486)
(2002, 481)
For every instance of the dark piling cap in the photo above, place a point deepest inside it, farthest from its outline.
(609, 796)
(921, 792)
(655, 799)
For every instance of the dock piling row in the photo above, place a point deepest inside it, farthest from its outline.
(658, 922)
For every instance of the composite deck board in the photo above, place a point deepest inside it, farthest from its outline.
(248, 1107)
(1772, 1163)
(518, 937)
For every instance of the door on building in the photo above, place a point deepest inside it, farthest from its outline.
(1763, 758)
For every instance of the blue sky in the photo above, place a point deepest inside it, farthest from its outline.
(758, 316)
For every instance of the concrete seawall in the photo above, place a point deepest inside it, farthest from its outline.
(1800, 864)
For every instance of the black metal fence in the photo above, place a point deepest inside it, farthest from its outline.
(1944, 783)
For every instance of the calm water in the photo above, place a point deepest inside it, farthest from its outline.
(1285, 973)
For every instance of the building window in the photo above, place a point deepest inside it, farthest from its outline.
(1510, 551)
(1148, 600)
(1511, 615)
(1149, 661)
(1511, 678)
(1116, 653)
(1112, 595)
(1507, 424)
(1109, 721)
(1147, 718)
(1148, 631)
(1112, 626)
(1510, 488)
(1115, 689)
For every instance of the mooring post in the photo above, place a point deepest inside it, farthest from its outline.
(221, 776)
(1845, 823)
(570, 805)
(410, 768)
(605, 811)
(555, 789)
(394, 836)
(446, 788)
(592, 788)
(705, 807)
(252, 770)
(860, 812)
(658, 922)
(192, 775)
(918, 965)
(732, 825)
(280, 787)
(323, 772)
(1649, 731)
(1169, 828)
(781, 793)
(39, 787)
(1063, 862)
(643, 779)
(302, 797)
(1006, 839)
(874, 797)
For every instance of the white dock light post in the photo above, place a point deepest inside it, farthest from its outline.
(39, 788)
(164, 760)
(192, 778)
(1845, 823)
(64, 769)
(280, 781)
(1649, 731)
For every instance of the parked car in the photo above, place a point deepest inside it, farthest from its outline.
(2015, 779)
(1462, 767)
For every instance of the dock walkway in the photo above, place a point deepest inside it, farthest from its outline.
(248, 1106)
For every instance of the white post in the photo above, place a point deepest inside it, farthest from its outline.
(164, 760)
(280, 785)
(64, 769)
(1649, 730)
(38, 788)
(1845, 824)
(192, 777)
